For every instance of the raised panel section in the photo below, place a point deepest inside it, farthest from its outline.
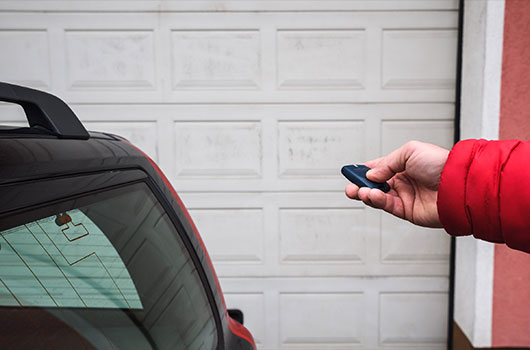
(329, 59)
(319, 148)
(101, 59)
(231, 235)
(327, 320)
(396, 133)
(403, 241)
(142, 134)
(216, 59)
(317, 235)
(412, 318)
(25, 57)
(419, 58)
(253, 307)
(218, 148)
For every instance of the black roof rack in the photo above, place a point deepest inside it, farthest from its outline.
(45, 111)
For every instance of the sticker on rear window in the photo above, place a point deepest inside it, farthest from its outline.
(63, 261)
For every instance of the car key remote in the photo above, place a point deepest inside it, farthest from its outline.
(356, 173)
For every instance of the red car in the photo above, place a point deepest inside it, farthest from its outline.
(96, 249)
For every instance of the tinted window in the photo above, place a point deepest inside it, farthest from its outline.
(105, 270)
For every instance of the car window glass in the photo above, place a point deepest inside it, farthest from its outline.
(105, 270)
(65, 261)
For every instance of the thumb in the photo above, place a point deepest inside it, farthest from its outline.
(390, 165)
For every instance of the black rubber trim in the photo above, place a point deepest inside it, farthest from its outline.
(196, 261)
(458, 102)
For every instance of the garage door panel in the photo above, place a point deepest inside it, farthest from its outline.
(352, 309)
(99, 59)
(318, 148)
(313, 234)
(26, 59)
(234, 235)
(408, 318)
(419, 58)
(395, 133)
(214, 59)
(216, 149)
(310, 235)
(430, 245)
(308, 154)
(336, 320)
(325, 59)
(277, 57)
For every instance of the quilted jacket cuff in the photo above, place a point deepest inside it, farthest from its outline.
(451, 191)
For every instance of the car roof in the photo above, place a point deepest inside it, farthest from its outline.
(29, 158)
(56, 142)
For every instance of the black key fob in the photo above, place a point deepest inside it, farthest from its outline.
(357, 174)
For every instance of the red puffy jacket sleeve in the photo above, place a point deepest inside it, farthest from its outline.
(485, 191)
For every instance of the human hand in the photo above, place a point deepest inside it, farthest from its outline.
(413, 173)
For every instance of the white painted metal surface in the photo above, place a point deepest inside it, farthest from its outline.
(481, 97)
(251, 115)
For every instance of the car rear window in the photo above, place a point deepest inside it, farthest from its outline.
(63, 260)
(103, 270)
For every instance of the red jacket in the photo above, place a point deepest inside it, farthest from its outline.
(485, 191)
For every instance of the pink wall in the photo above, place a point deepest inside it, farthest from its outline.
(511, 298)
(515, 88)
(511, 280)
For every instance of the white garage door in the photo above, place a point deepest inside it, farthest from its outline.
(251, 108)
